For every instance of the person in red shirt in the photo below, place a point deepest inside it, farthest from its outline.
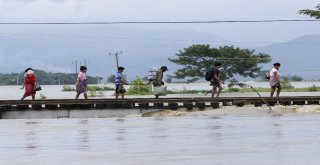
(29, 84)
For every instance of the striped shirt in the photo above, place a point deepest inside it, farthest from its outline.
(118, 78)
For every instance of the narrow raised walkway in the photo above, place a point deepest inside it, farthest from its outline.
(146, 103)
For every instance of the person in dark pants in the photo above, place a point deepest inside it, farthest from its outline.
(274, 81)
(120, 82)
(159, 76)
(216, 82)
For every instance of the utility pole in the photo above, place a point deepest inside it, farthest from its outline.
(18, 80)
(85, 62)
(117, 57)
(76, 65)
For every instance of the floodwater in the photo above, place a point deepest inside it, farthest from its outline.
(55, 91)
(259, 138)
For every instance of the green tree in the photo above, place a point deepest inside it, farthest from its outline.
(311, 13)
(295, 78)
(197, 59)
(285, 83)
(138, 87)
(111, 78)
(44, 78)
(168, 79)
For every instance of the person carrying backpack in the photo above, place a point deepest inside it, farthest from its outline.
(152, 74)
(213, 75)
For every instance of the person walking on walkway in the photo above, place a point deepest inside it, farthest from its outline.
(120, 81)
(29, 84)
(82, 83)
(216, 82)
(157, 82)
(274, 81)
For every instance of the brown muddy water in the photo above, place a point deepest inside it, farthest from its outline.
(182, 138)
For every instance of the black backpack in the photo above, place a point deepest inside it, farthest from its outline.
(267, 75)
(209, 74)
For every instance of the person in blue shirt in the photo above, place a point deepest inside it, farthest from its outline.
(120, 81)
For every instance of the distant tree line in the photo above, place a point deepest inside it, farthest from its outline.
(295, 78)
(45, 78)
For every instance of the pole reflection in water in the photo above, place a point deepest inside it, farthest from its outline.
(31, 137)
(83, 135)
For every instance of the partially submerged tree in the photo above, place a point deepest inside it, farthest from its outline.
(311, 13)
(197, 59)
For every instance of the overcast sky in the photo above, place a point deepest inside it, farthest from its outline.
(156, 10)
(174, 10)
(152, 10)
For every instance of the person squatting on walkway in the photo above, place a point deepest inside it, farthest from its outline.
(157, 82)
(29, 84)
(82, 83)
(274, 81)
(216, 82)
(120, 81)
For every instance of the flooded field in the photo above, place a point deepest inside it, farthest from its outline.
(55, 91)
(229, 135)
(192, 138)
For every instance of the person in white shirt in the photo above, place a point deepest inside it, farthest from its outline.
(274, 81)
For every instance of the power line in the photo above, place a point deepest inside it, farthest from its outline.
(157, 22)
(30, 35)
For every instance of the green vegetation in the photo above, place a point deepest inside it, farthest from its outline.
(285, 83)
(42, 96)
(196, 59)
(295, 78)
(92, 93)
(138, 87)
(45, 78)
(313, 89)
(244, 90)
(311, 13)
(98, 88)
(67, 88)
(111, 78)
(231, 90)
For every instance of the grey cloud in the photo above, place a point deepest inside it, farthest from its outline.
(24, 1)
(57, 1)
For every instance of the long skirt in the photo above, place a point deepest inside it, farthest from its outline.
(29, 89)
(82, 87)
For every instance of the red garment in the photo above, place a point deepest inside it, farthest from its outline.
(29, 84)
